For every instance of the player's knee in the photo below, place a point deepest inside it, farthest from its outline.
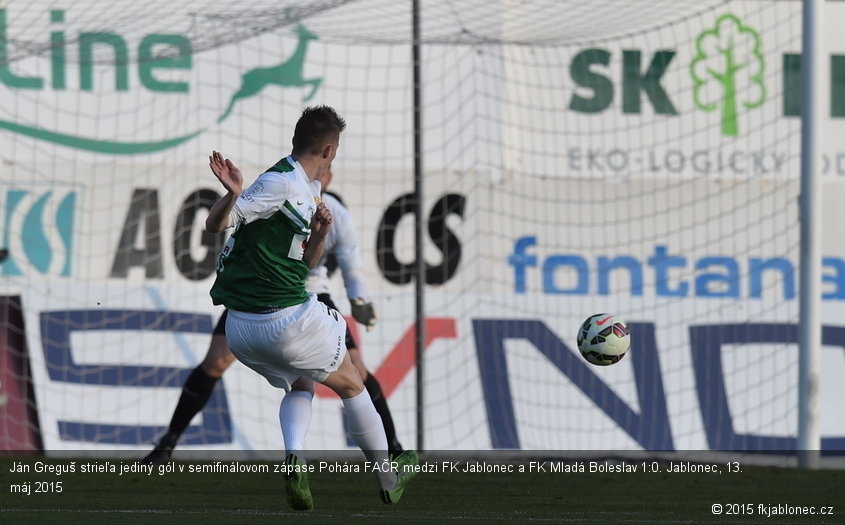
(348, 390)
(303, 385)
(217, 367)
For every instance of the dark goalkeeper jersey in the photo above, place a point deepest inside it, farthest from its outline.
(261, 265)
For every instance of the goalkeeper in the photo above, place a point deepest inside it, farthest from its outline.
(340, 250)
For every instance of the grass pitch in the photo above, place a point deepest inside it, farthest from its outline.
(29, 493)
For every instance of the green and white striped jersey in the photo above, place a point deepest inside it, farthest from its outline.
(261, 265)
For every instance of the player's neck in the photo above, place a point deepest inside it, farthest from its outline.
(310, 165)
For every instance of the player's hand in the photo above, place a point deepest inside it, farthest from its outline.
(364, 312)
(321, 222)
(226, 172)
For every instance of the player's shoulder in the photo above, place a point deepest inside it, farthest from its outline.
(284, 165)
(284, 177)
(280, 176)
(285, 169)
(268, 183)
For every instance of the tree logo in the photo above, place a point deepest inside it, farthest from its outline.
(727, 71)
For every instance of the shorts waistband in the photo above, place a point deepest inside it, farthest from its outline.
(269, 310)
(274, 312)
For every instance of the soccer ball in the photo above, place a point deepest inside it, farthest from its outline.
(603, 339)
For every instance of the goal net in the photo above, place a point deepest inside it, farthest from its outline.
(639, 158)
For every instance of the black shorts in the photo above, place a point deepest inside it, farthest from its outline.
(324, 298)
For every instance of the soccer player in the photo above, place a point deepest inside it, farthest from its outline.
(340, 250)
(276, 327)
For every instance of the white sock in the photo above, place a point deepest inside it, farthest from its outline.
(295, 419)
(367, 430)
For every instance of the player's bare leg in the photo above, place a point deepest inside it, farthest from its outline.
(219, 358)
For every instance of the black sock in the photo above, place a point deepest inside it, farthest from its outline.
(374, 389)
(195, 393)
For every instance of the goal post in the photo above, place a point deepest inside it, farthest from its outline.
(812, 38)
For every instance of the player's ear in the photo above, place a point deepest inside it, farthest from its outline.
(327, 151)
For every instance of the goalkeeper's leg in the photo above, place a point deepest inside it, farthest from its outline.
(195, 393)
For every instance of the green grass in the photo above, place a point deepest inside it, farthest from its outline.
(432, 498)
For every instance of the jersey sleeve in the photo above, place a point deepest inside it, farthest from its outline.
(261, 199)
(348, 254)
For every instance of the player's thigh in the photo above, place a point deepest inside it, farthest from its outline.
(351, 345)
(327, 300)
(357, 361)
(346, 381)
(254, 340)
(305, 340)
(314, 344)
(218, 357)
(303, 384)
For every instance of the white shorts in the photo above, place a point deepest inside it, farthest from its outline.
(302, 340)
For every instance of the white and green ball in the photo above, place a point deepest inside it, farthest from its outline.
(603, 339)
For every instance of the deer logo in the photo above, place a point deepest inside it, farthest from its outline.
(286, 74)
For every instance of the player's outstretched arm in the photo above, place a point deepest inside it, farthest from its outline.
(230, 176)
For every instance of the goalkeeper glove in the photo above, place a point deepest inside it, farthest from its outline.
(364, 312)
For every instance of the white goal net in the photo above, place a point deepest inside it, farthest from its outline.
(639, 158)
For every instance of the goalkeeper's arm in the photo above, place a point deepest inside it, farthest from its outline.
(349, 260)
